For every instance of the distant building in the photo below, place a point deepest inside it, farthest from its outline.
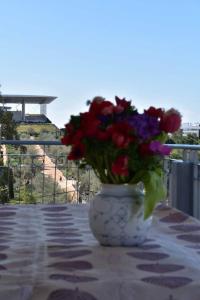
(191, 128)
(21, 116)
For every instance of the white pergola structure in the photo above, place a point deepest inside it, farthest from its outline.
(24, 99)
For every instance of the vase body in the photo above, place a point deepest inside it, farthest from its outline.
(116, 215)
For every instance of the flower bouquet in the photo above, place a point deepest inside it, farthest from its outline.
(122, 145)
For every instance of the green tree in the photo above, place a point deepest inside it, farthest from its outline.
(8, 131)
(179, 138)
(8, 125)
(191, 139)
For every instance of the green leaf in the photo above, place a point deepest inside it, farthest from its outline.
(162, 137)
(154, 191)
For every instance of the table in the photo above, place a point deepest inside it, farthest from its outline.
(49, 253)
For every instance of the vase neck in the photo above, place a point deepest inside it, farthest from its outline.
(120, 189)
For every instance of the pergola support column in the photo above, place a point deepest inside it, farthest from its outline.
(23, 111)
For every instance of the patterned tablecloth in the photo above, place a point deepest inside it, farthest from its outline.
(49, 253)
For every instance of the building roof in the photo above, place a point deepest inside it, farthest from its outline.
(29, 99)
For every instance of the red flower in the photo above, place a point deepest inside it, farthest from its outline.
(67, 140)
(107, 108)
(69, 135)
(118, 109)
(144, 149)
(122, 102)
(121, 134)
(69, 128)
(101, 107)
(102, 135)
(154, 112)
(78, 136)
(77, 152)
(121, 141)
(89, 124)
(120, 166)
(171, 121)
(95, 106)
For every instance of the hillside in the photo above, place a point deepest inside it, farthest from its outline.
(36, 128)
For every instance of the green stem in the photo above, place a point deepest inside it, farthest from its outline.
(97, 169)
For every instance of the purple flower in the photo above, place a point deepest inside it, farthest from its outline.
(158, 148)
(145, 126)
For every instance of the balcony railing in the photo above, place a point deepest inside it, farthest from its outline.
(39, 172)
(183, 179)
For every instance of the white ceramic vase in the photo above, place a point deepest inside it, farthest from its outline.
(116, 215)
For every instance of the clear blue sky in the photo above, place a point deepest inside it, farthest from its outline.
(146, 50)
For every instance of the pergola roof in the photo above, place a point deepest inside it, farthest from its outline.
(28, 99)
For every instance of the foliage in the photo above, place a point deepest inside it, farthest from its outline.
(30, 185)
(7, 131)
(179, 138)
(6, 184)
(8, 125)
(89, 184)
(36, 129)
(123, 146)
(26, 196)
